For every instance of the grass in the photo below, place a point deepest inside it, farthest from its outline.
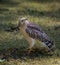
(13, 45)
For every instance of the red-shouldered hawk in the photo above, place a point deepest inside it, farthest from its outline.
(33, 32)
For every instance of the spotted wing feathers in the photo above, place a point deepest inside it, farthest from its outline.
(35, 32)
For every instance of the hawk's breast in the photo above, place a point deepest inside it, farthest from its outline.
(25, 35)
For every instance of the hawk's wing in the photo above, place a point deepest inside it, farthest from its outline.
(35, 32)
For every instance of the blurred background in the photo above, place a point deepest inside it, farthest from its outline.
(46, 13)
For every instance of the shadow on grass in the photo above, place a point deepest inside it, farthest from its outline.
(9, 2)
(17, 53)
(44, 1)
(3, 9)
(6, 26)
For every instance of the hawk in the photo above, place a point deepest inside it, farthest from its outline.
(34, 34)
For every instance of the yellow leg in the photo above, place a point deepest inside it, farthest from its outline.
(30, 50)
(31, 45)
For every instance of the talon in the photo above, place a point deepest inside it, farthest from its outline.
(30, 51)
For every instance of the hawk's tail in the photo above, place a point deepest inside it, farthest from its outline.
(50, 45)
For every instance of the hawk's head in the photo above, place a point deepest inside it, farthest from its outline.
(23, 22)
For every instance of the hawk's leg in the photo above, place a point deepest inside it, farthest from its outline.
(31, 45)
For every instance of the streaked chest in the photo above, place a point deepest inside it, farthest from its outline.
(25, 35)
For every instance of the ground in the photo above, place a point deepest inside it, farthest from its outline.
(13, 46)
